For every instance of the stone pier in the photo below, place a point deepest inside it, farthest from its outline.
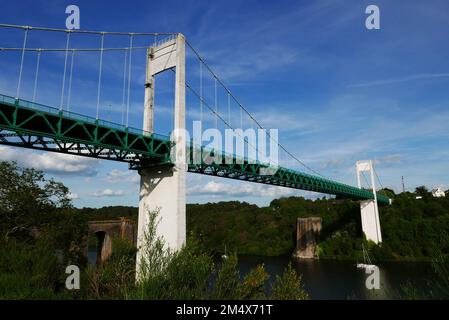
(105, 230)
(307, 233)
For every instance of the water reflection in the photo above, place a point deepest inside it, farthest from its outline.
(326, 279)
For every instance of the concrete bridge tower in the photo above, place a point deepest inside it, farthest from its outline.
(163, 187)
(368, 208)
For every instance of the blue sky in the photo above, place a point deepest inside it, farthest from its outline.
(336, 91)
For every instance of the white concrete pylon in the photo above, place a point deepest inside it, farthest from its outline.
(368, 208)
(163, 188)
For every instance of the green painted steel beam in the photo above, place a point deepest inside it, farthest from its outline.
(241, 169)
(30, 125)
(43, 127)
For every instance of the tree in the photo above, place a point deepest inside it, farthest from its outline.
(289, 286)
(228, 279)
(25, 195)
(422, 191)
(388, 192)
(252, 286)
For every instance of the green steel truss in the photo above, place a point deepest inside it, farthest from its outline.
(285, 178)
(30, 125)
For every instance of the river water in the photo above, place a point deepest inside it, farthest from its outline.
(330, 279)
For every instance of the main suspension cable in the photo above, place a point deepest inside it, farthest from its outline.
(71, 49)
(378, 179)
(211, 109)
(248, 113)
(3, 25)
(216, 103)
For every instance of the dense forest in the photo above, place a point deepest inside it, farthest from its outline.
(412, 229)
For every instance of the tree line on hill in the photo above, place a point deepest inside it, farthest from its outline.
(412, 229)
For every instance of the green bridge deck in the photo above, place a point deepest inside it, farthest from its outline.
(31, 125)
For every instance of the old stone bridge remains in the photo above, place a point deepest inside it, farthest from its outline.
(307, 233)
(106, 230)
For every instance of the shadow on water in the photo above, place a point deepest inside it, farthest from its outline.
(326, 279)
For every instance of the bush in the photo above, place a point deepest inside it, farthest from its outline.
(227, 280)
(28, 272)
(190, 274)
(289, 286)
(252, 286)
(115, 277)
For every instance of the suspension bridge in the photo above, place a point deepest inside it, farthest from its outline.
(49, 64)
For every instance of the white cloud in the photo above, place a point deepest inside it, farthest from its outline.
(73, 196)
(240, 190)
(120, 176)
(388, 159)
(413, 77)
(57, 163)
(109, 193)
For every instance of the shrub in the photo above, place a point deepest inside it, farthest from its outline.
(227, 280)
(289, 286)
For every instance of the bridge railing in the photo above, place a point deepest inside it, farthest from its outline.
(76, 116)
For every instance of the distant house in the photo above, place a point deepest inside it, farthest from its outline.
(438, 193)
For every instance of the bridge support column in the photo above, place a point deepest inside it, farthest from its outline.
(163, 187)
(368, 208)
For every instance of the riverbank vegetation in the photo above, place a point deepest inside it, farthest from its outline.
(41, 233)
(412, 229)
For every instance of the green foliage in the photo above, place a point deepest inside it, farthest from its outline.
(252, 286)
(227, 280)
(388, 192)
(437, 286)
(29, 271)
(190, 274)
(422, 191)
(41, 234)
(65, 231)
(411, 229)
(289, 286)
(25, 196)
(441, 269)
(171, 275)
(155, 254)
(109, 213)
(113, 279)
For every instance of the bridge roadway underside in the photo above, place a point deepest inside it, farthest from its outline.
(30, 125)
